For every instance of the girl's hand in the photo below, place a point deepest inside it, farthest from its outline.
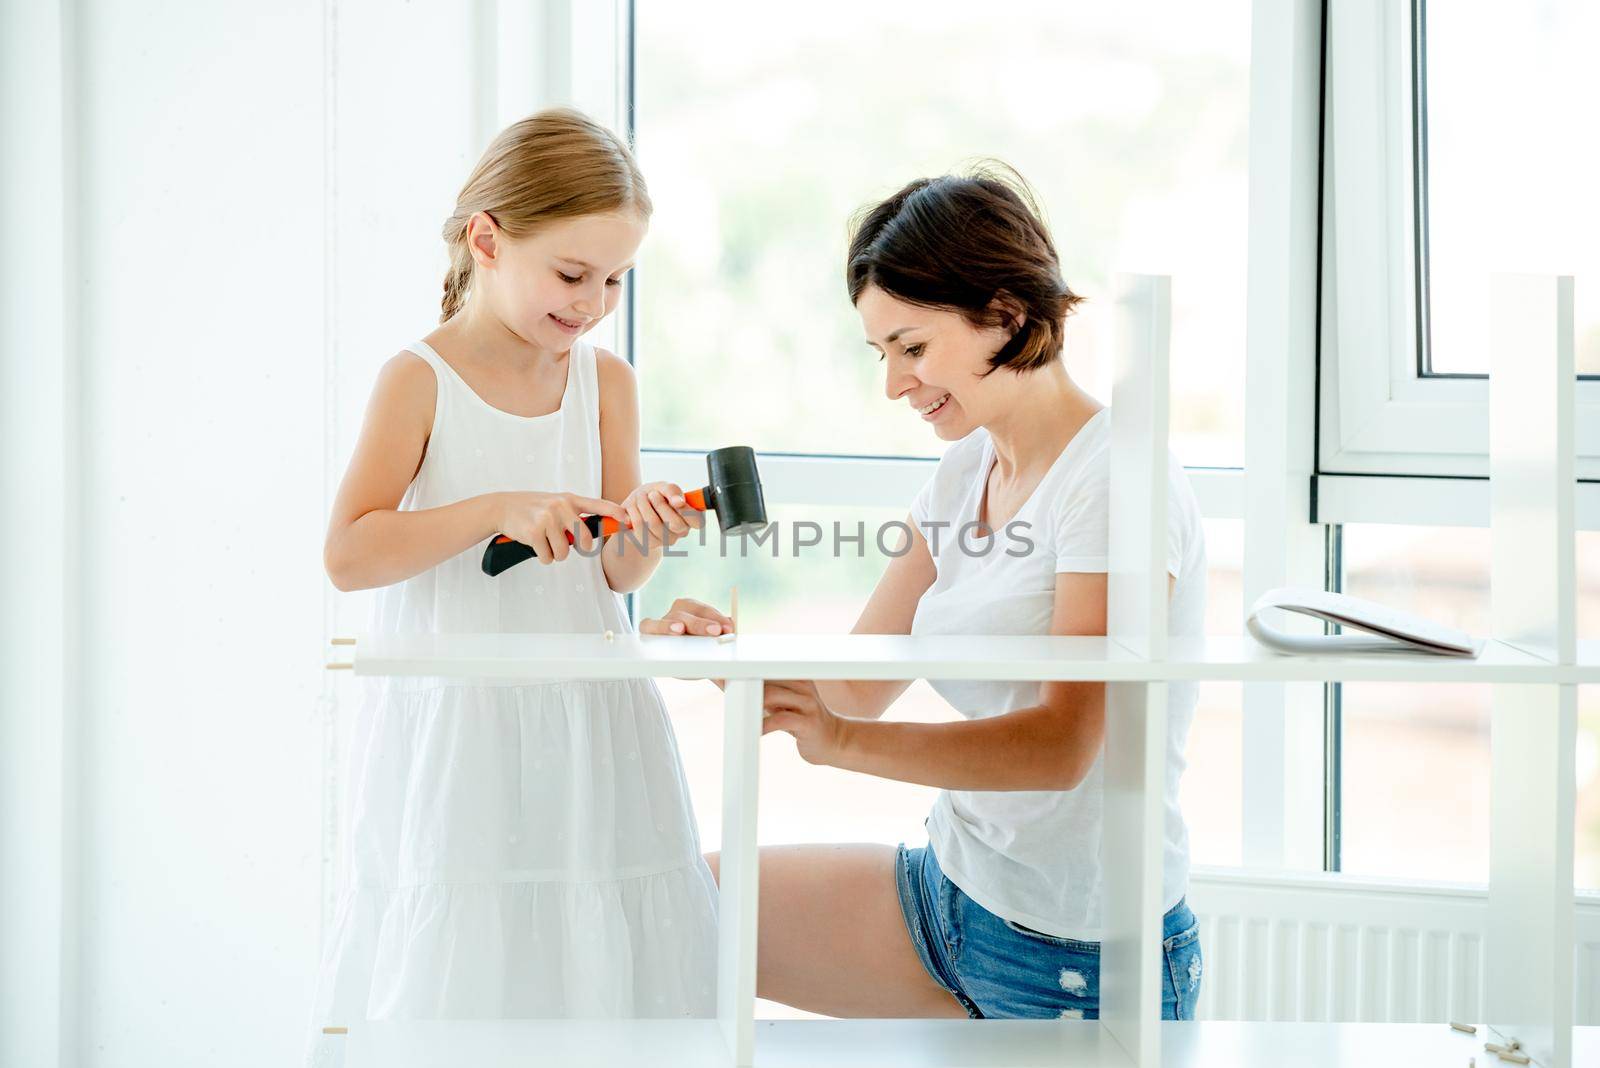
(688, 616)
(796, 706)
(659, 514)
(541, 521)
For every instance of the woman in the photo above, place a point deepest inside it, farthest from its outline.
(959, 290)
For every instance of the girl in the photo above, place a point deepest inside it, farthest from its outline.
(960, 292)
(515, 848)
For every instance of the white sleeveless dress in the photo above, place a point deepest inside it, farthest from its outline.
(516, 848)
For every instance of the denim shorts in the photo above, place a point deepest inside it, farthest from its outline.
(997, 968)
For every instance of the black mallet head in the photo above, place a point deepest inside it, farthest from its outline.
(733, 490)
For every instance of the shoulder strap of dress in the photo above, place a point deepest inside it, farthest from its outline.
(588, 378)
(444, 380)
(434, 360)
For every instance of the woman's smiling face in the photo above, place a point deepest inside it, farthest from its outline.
(936, 361)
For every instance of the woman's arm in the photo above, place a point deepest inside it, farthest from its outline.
(888, 611)
(1048, 746)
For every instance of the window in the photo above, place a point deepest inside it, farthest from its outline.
(762, 134)
(763, 130)
(1533, 160)
(1212, 788)
(1419, 143)
(1414, 799)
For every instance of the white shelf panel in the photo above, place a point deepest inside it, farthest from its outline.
(908, 1043)
(526, 1043)
(882, 656)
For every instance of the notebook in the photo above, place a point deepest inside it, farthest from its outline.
(1387, 629)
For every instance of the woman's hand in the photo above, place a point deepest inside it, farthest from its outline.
(659, 514)
(542, 521)
(688, 616)
(796, 706)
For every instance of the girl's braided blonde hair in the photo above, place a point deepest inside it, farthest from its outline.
(555, 164)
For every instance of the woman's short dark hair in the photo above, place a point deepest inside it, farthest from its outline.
(971, 243)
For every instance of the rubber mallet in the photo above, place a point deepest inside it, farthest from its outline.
(733, 492)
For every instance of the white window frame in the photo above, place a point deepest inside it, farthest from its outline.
(41, 437)
(813, 479)
(1378, 415)
(542, 53)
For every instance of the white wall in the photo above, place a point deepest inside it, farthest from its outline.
(411, 115)
(220, 219)
(200, 317)
(35, 534)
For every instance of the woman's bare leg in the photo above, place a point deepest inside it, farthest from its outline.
(831, 938)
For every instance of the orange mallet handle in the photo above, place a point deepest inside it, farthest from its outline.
(603, 526)
(504, 551)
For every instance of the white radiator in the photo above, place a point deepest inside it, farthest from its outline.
(1327, 947)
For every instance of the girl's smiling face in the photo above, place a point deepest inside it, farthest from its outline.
(553, 285)
(937, 362)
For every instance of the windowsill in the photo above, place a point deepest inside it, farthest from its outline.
(1323, 880)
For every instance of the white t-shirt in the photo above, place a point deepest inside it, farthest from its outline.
(1033, 856)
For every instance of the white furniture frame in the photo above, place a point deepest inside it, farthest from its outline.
(1534, 664)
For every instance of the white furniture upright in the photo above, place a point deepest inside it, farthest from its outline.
(1533, 727)
(738, 869)
(1136, 712)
